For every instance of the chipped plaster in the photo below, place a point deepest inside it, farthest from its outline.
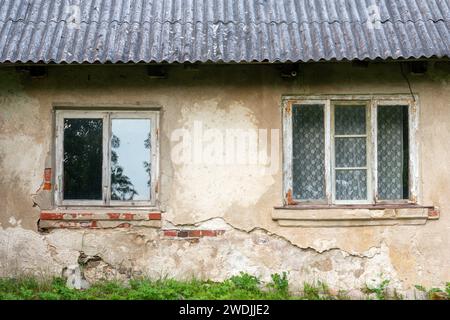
(235, 198)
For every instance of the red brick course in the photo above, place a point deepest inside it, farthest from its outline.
(184, 233)
(51, 216)
(154, 216)
(114, 216)
(70, 216)
(98, 220)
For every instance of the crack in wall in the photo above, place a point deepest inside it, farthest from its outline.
(103, 260)
(277, 236)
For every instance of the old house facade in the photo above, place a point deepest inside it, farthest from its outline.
(205, 138)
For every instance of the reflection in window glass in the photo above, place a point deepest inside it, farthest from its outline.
(83, 156)
(130, 159)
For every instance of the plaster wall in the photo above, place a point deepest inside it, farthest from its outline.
(238, 198)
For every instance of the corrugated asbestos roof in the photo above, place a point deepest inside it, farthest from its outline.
(68, 31)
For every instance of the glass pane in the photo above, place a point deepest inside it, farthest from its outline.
(308, 152)
(350, 152)
(350, 120)
(351, 185)
(130, 159)
(393, 152)
(83, 157)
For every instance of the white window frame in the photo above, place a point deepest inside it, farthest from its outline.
(372, 102)
(367, 135)
(107, 116)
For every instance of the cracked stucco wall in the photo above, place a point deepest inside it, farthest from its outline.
(141, 251)
(237, 198)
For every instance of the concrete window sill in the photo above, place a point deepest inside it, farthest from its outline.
(98, 219)
(353, 216)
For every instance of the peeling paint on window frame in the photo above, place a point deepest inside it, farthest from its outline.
(373, 101)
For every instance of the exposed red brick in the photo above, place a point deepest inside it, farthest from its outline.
(124, 225)
(154, 216)
(47, 174)
(195, 233)
(433, 213)
(51, 216)
(80, 224)
(170, 233)
(114, 216)
(47, 186)
(183, 233)
(192, 233)
(128, 216)
(209, 233)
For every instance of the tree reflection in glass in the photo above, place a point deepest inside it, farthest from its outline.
(130, 160)
(83, 158)
(121, 186)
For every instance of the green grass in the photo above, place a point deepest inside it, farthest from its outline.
(241, 287)
(436, 293)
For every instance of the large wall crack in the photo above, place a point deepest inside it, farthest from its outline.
(369, 253)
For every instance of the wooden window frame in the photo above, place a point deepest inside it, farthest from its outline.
(372, 102)
(107, 115)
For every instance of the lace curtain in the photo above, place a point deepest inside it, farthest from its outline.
(308, 152)
(393, 152)
(350, 152)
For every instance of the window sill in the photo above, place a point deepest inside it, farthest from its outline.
(353, 215)
(98, 219)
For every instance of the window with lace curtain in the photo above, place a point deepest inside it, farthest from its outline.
(350, 149)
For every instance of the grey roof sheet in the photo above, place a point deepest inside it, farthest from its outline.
(67, 31)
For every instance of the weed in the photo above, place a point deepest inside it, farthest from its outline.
(238, 287)
(436, 293)
(246, 282)
(280, 283)
(320, 291)
(380, 291)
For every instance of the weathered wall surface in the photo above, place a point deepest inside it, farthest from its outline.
(236, 198)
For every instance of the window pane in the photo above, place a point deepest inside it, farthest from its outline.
(350, 152)
(351, 185)
(130, 159)
(308, 152)
(83, 157)
(393, 152)
(350, 120)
